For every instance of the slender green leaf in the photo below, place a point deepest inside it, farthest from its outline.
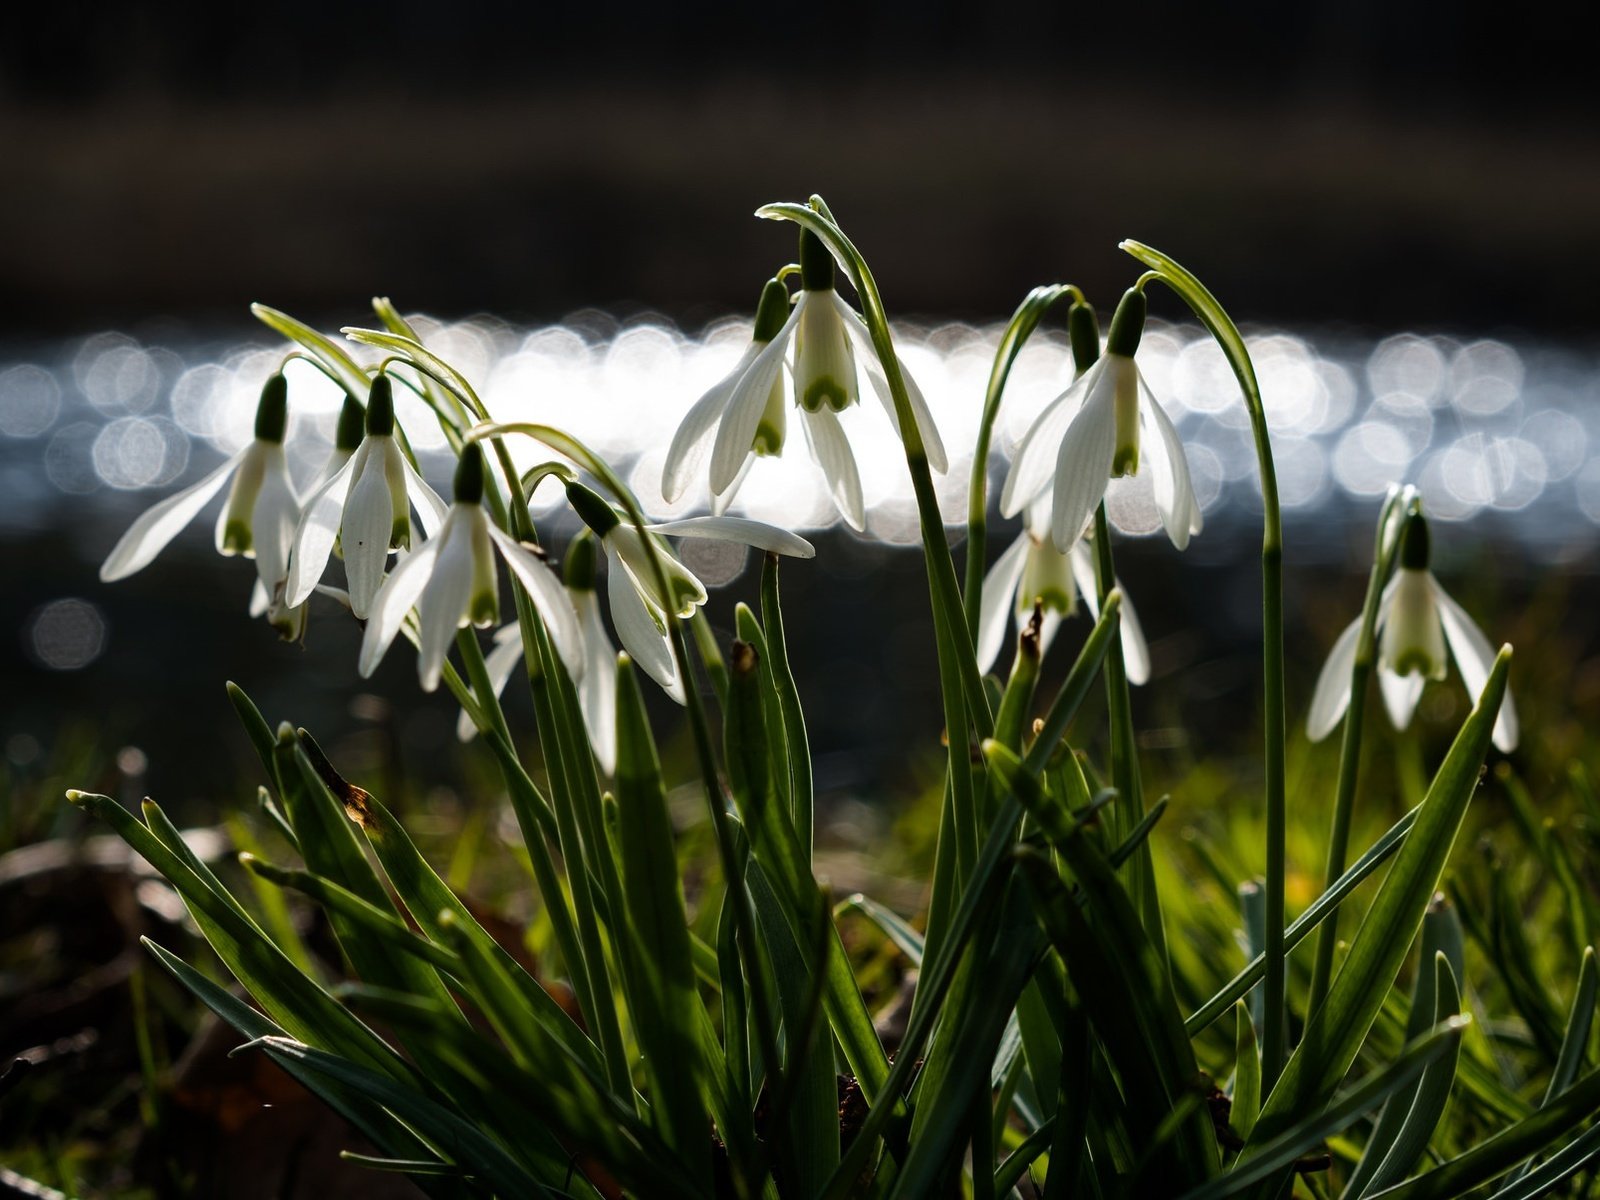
(1246, 1073)
(323, 349)
(1335, 1032)
(1279, 1152)
(667, 1023)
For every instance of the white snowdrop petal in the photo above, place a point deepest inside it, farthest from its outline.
(1135, 650)
(1331, 696)
(738, 529)
(442, 607)
(430, 506)
(1035, 459)
(364, 533)
(999, 589)
(1083, 467)
(932, 443)
(158, 525)
(637, 630)
(548, 596)
(1400, 695)
(746, 402)
(1475, 655)
(1170, 480)
(832, 451)
(277, 513)
(692, 440)
(318, 531)
(597, 691)
(394, 600)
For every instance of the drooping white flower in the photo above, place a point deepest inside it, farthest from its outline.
(365, 506)
(597, 688)
(639, 605)
(743, 416)
(1419, 629)
(1106, 425)
(1032, 571)
(451, 581)
(257, 520)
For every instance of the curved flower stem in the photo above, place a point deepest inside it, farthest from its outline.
(1350, 753)
(1024, 321)
(1125, 751)
(946, 592)
(1221, 327)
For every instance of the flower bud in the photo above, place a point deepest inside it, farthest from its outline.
(579, 569)
(595, 512)
(469, 471)
(352, 424)
(380, 407)
(1083, 329)
(772, 311)
(272, 411)
(816, 263)
(1127, 324)
(1414, 543)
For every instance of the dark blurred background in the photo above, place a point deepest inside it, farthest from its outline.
(1387, 164)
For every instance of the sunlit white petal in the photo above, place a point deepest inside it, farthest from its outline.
(149, 535)
(431, 507)
(999, 586)
(395, 599)
(1083, 467)
(932, 443)
(318, 531)
(498, 664)
(597, 692)
(1169, 471)
(548, 596)
(1400, 695)
(832, 451)
(738, 529)
(1033, 464)
(1475, 658)
(442, 607)
(637, 630)
(693, 438)
(1331, 696)
(746, 402)
(365, 530)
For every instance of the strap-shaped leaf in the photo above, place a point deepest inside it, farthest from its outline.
(324, 349)
(666, 1020)
(1335, 1032)
(1279, 1152)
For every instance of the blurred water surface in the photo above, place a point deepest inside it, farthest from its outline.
(93, 429)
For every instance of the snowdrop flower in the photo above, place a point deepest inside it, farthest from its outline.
(639, 607)
(1419, 628)
(257, 521)
(597, 688)
(1032, 571)
(451, 580)
(743, 416)
(1106, 425)
(365, 506)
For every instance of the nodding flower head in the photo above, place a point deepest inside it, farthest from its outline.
(451, 582)
(364, 508)
(1107, 424)
(1420, 628)
(257, 519)
(744, 416)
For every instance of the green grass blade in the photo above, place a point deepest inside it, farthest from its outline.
(1493, 1157)
(1379, 853)
(1335, 1032)
(356, 1107)
(667, 1023)
(796, 745)
(1429, 1095)
(1441, 934)
(1562, 1165)
(893, 926)
(291, 999)
(1279, 1152)
(1246, 1073)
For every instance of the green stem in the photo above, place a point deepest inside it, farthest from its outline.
(1125, 775)
(1350, 757)
(1222, 328)
(1024, 321)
